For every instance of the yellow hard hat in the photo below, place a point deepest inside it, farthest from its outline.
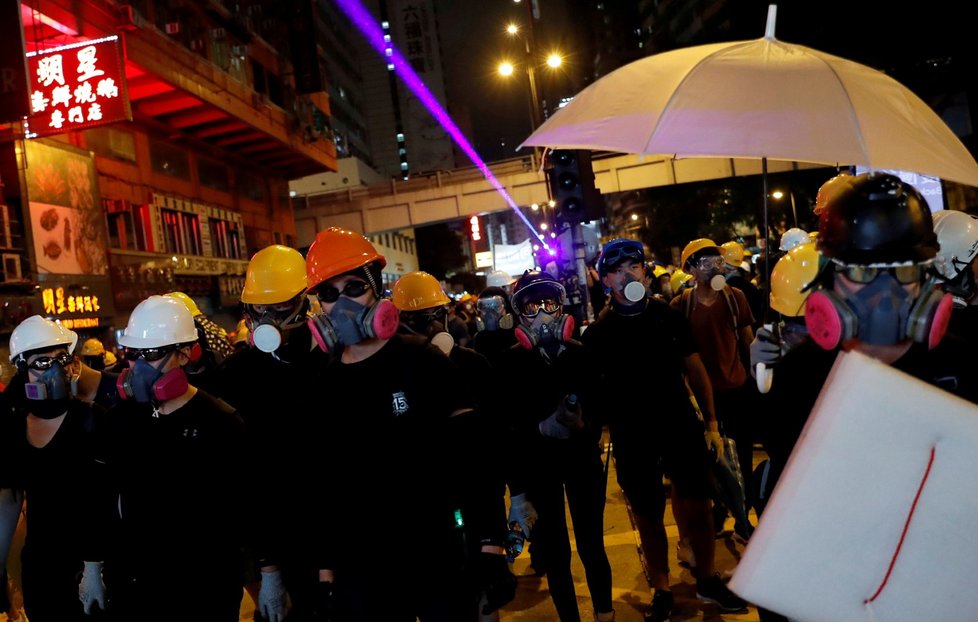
(187, 301)
(418, 290)
(275, 274)
(694, 247)
(831, 188)
(91, 347)
(678, 278)
(109, 359)
(733, 252)
(658, 271)
(793, 273)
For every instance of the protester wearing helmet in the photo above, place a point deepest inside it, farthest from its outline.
(639, 338)
(497, 323)
(559, 447)
(392, 398)
(721, 320)
(679, 281)
(176, 454)
(214, 345)
(92, 353)
(873, 296)
(50, 448)
(500, 278)
(284, 356)
(792, 238)
(736, 276)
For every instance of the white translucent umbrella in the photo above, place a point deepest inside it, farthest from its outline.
(760, 99)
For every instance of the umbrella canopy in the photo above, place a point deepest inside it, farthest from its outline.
(760, 99)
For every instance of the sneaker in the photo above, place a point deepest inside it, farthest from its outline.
(684, 553)
(661, 607)
(714, 590)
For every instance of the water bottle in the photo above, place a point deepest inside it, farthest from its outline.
(514, 541)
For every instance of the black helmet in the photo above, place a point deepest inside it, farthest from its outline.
(877, 219)
(536, 285)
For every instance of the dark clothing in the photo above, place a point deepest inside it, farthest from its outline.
(66, 491)
(755, 299)
(548, 468)
(180, 499)
(382, 450)
(492, 344)
(964, 325)
(107, 393)
(654, 427)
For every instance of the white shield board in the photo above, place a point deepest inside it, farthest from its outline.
(874, 516)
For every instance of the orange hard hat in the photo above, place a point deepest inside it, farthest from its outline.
(337, 251)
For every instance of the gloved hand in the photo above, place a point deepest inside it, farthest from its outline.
(324, 602)
(569, 413)
(522, 512)
(764, 349)
(713, 439)
(496, 580)
(91, 588)
(553, 428)
(273, 600)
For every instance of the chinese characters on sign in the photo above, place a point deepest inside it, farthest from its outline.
(57, 303)
(77, 86)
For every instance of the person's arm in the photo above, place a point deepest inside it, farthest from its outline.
(699, 382)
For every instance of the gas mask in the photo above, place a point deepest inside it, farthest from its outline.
(882, 313)
(543, 327)
(350, 322)
(634, 290)
(270, 328)
(52, 390)
(493, 314)
(145, 383)
(431, 325)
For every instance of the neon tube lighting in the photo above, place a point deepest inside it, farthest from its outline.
(374, 34)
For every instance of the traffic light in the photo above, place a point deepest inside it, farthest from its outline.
(572, 187)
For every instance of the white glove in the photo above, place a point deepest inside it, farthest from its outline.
(91, 588)
(569, 412)
(552, 427)
(273, 601)
(522, 512)
(766, 348)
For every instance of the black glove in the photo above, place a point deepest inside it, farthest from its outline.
(324, 602)
(496, 580)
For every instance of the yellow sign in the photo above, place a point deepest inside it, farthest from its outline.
(57, 303)
(80, 322)
(483, 259)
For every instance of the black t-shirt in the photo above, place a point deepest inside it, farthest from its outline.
(107, 393)
(639, 362)
(181, 486)
(382, 466)
(493, 343)
(64, 483)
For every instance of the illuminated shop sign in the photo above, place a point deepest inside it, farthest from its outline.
(56, 302)
(76, 87)
(79, 322)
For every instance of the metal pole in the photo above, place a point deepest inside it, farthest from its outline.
(580, 258)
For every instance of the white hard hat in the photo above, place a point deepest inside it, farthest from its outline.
(499, 278)
(37, 332)
(793, 237)
(957, 233)
(159, 321)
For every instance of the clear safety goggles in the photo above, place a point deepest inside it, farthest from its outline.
(906, 274)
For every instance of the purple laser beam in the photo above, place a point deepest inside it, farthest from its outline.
(375, 36)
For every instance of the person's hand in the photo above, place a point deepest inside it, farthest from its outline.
(273, 600)
(496, 581)
(91, 588)
(713, 439)
(764, 349)
(553, 428)
(325, 602)
(522, 512)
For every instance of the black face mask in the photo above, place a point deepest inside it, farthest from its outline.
(48, 409)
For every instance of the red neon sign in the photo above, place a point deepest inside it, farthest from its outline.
(476, 233)
(76, 87)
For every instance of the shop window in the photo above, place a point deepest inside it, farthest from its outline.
(129, 225)
(225, 238)
(181, 232)
(251, 186)
(111, 143)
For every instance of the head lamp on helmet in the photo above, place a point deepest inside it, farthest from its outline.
(615, 252)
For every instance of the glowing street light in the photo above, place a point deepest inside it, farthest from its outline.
(512, 28)
(506, 69)
(554, 61)
(535, 207)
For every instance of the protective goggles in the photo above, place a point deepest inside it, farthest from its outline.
(533, 309)
(710, 261)
(43, 363)
(150, 355)
(491, 304)
(352, 289)
(634, 252)
(425, 316)
(906, 275)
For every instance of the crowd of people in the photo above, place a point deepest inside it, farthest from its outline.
(344, 456)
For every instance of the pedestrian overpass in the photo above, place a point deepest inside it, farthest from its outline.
(460, 193)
